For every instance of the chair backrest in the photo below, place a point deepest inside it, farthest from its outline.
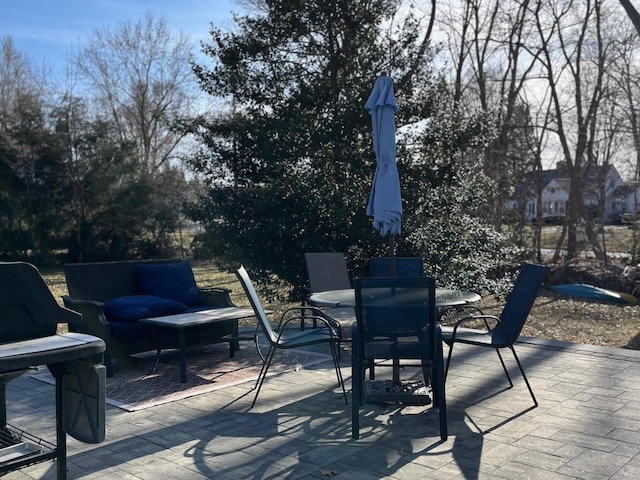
(103, 281)
(28, 309)
(521, 299)
(327, 271)
(405, 267)
(390, 308)
(258, 309)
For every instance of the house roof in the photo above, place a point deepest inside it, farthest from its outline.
(592, 175)
(562, 179)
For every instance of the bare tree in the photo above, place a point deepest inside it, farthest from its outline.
(626, 73)
(142, 79)
(18, 79)
(493, 61)
(575, 60)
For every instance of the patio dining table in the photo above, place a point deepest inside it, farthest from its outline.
(346, 298)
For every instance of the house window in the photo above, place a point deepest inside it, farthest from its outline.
(554, 207)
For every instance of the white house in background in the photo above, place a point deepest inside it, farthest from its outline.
(555, 194)
(632, 199)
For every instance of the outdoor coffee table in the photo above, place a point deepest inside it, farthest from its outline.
(184, 321)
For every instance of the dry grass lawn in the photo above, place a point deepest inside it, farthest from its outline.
(557, 317)
(553, 316)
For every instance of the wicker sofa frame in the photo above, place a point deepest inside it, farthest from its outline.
(91, 285)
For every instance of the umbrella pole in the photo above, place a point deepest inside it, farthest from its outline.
(392, 255)
(392, 273)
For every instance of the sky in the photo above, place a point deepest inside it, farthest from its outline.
(49, 31)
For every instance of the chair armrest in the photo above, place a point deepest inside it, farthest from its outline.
(315, 312)
(457, 312)
(216, 296)
(93, 320)
(287, 318)
(475, 318)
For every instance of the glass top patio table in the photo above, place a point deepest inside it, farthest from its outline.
(346, 298)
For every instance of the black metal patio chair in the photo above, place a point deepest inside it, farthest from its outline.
(328, 271)
(29, 317)
(397, 320)
(282, 338)
(404, 267)
(503, 331)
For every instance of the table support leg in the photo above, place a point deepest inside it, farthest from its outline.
(158, 350)
(396, 371)
(182, 343)
(3, 402)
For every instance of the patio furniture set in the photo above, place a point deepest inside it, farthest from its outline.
(395, 320)
(138, 306)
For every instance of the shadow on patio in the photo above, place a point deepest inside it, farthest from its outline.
(587, 425)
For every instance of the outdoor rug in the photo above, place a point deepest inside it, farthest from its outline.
(136, 387)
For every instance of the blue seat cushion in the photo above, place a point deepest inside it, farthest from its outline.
(133, 307)
(174, 281)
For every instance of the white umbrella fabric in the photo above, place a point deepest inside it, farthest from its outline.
(385, 201)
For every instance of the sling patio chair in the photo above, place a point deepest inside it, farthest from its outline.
(328, 271)
(503, 331)
(397, 320)
(282, 338)
(404, 267)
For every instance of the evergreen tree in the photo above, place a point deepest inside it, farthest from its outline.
(290, 162)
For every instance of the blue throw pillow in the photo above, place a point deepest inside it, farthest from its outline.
(174, 281)
(135, 307)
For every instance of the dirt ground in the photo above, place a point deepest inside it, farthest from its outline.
(558, 317)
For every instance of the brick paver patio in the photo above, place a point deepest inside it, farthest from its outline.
(587, 426)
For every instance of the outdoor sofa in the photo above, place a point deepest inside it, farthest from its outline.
(113, 296)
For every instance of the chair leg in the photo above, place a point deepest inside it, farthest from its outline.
(336, 364)
(438, 388)
(263, 373)
(265, 358)
(356, 396)
(446, 368)
(363, 373)
(504, 367)
(440, 402)
(426, 373)
(526, 381)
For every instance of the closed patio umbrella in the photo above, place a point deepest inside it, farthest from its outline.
(385, 202)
